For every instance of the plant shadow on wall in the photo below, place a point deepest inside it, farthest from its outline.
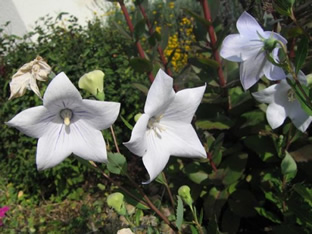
(242, 160)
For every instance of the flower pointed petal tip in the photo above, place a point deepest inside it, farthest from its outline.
(61, 90)
(160, 94)
(248, 26)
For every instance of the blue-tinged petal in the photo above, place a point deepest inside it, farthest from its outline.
(251, 70)
(298, 116)
(33, 121)
(238, 48)
(184, 105)
(160, 94)
(61, 94)
(53, 147)
(98, 114)
(87, 142)
(265, 95)
(248, 26)
(181, 140)
(137, 143)
(157, 155)
(276, 115)
(273, 72)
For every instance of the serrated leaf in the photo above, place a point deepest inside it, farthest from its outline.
(117, 163)
(180, 212)
(301, 53)
(141, 65)
(289, 167)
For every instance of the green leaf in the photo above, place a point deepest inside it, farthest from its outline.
(219, 123)
(126, 123)
(234, 167)
(141, 65)
(139, 28)
(261, 145)
(133, 201)
(301, 53)
(289, 167)
(196, 173)
(267, 214)
(141, 87)
(242, 203)
(304, 192)
(117, 163)
(180, 212)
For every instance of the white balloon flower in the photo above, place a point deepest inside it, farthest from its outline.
(66, 124)
(165, 128)
(250, 48)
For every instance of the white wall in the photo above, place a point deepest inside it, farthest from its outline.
(24, 13)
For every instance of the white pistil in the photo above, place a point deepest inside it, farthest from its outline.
(153, 124)
(66, 115)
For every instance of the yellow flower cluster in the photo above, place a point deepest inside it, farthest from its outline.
(180, 44)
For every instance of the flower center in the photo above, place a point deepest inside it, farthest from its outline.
(66, 115)
(291, 95)
(153, 124)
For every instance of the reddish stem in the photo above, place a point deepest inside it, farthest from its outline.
(213, 165)
(159, 49)
(213, 42)
(292, 49)
(131, 28)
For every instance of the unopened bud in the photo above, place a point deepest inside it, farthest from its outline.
(137, 116)
(93, 82)
(185, 193)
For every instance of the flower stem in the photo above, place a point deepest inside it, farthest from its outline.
(213, 42)
(159, 49)
(114, 137)
(213, 165)
(117, 184)
(199, 227)
(152, 206)
(131, 28)
(168, 190)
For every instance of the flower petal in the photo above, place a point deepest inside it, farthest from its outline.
(251, 70)
(19, 84)
(156, 157)
(160, 94)
(265, 95)
(60, 94)
(185, 104)
(248, 26)
(273, 72)
(238, 48)
(268, 34)
(53, 147)
(87, 142)
(34, 87)
(98, 114)
(33, 121)
(298, 116)
(182, 140)
(137, 143)
(276, 115)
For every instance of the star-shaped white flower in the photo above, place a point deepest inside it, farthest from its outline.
(282, 103)
(247, 48)
(165, 128)
(26, 76)
(66, 124)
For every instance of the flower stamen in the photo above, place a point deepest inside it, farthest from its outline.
(153, 124)
(66, 115)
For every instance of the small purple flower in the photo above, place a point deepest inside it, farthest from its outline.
(3, 210)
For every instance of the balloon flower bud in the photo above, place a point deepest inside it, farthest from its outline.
(93, 82)
(185, 193)
(116, 201)
(137, 116)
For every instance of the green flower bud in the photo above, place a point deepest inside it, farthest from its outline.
(116, 201)
(185, 193)
(137, 116)
(269, 44)
(93, 82)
